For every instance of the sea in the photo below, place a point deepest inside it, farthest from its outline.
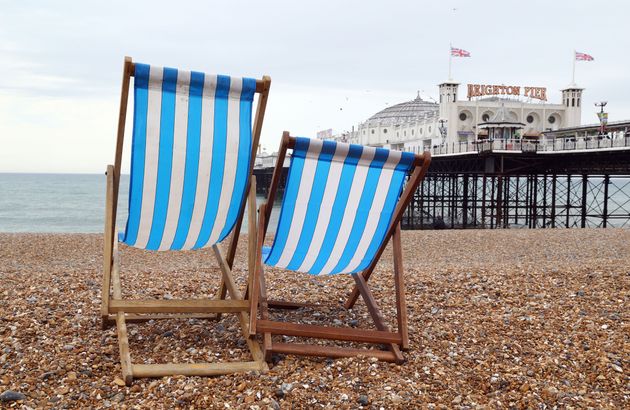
(66, 203)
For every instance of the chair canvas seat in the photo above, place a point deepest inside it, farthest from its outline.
(338, 202)
(191, 150)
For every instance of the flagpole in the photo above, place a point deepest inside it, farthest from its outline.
(573, 79)
(450, 58)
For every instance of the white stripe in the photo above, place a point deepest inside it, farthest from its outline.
(301, 202)
(152, 154)
(205, 160)
(231, 157)
(358, 184)
(182, 94)
(328, 200)
(374, 216)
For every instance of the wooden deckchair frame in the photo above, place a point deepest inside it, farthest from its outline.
(394, 341)
(116, 310)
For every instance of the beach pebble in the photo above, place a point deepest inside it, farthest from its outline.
(10, 395)
(461, 288)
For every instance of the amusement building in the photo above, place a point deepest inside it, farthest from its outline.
(488, 112)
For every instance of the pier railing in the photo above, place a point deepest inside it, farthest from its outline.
(525, 145)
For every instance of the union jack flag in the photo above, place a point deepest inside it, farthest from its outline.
(458, 52)
(583, 57)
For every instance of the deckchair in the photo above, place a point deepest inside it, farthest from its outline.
(193, 151)
(342, 204)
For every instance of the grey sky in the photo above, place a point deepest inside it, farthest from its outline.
(333, 63)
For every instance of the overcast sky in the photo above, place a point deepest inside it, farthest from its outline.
(333, 63)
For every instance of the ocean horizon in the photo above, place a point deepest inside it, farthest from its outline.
(63, 203)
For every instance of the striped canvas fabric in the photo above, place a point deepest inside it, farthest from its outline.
(191, 149)
(337, 206)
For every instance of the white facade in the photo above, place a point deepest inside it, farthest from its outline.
(415, 125)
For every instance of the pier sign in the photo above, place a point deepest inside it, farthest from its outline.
(479, 90)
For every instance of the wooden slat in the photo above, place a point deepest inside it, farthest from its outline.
(135, 318)
(283, 304)
(178, 306)
(195, 369)
(399, 283)
(120, 138)
(327, 332)
(330, 351)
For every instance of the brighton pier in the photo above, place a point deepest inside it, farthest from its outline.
(503, 162)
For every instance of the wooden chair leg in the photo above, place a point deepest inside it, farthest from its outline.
(375, 312)
(107, 248)
(231, 253)
(254, 260)
(399, 283)
(121, 326)
(235, 294)
(264, 314)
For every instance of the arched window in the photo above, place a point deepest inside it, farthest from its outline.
(572, 102)
(578, 102)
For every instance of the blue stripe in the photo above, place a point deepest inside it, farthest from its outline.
(395, 188)
(290, 197)
(244, 155)
(363, 211)
(218, 160)
(314, 204)
(341, 199)
(193, 141)
(138, 148)
(165, 158)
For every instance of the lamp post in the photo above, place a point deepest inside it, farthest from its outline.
(442, 128)
(603, 117)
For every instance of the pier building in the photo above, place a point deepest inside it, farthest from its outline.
(419, 124)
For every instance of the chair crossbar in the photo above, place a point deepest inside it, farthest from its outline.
(327, 332)
(194, 369)
(137, 318)
(331, 351)
(179, 306)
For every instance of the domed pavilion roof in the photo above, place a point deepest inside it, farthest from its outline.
(406, 111)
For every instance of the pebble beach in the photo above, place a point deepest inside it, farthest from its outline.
(498, 319)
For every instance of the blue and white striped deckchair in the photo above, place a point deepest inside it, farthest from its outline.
(192, 147)
(191, 160)
(341, 205)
